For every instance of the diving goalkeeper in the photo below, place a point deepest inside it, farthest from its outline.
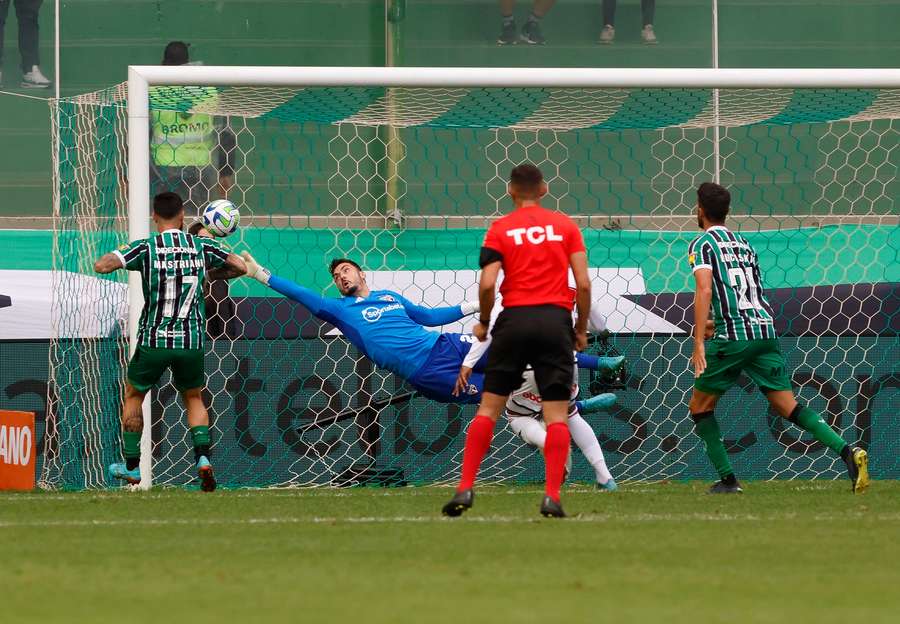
(390, 330)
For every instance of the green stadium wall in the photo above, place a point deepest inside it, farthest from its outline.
(99, 38)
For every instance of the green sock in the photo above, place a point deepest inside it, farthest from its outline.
(821, 430)
(132, 450)
(200, 435)
(708, 430)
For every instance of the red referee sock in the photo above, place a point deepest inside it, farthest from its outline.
(478, 441)
(556, 450)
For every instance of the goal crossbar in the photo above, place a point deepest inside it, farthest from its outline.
(652, 78)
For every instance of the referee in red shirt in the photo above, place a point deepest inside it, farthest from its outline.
(535, 248)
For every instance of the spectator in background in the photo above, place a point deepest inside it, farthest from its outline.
(531, 31)
(219, 306)
(608, 34)
(27, 16)
(190, 153)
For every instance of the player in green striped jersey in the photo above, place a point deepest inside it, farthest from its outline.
(173, 266)
(726, 271)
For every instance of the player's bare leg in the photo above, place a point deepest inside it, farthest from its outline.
(856, 459)
(556, 450)
(478, 441)
(132, 427)
(702, 407)
(198, 421)
(542, 7)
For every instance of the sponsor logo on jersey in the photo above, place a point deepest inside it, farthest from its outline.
(373, 314)
(386, 298)
(171, 250)
(183, 128)
(733, 245)
(169, 333)
(535, 235)
(536, 398)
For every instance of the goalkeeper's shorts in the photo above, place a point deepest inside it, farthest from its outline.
(437, 377)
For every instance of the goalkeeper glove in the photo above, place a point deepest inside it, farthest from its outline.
(469, 307)
(254, 270)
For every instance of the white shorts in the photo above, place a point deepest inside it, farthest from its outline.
(525, 402)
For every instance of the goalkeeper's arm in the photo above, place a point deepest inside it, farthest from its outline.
(315, 303)
(434, 317)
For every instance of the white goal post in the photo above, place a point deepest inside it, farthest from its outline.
(142, 78)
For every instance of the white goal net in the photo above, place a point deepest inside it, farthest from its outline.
(404, 180)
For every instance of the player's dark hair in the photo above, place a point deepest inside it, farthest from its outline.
(337, 261)
(527, 178)
(167, 205)
(176, 53)
(715, 201)
(195, 228)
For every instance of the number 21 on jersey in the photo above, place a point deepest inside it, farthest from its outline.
(744, 284)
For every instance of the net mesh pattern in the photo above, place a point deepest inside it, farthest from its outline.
(405, 181)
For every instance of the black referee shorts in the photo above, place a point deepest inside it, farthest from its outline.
(541, 336)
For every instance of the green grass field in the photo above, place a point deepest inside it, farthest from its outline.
(782, 552)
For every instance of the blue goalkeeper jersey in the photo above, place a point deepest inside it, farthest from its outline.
(385, 326)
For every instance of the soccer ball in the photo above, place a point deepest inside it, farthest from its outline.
(221, 217)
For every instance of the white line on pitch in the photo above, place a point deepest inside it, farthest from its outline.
(323, 492)
(586, 518)
(331, 492)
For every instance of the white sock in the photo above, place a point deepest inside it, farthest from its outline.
(529, 429)
(586, 440)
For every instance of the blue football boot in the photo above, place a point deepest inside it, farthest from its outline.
(205, 470)
(120, 471)
(596, 403)
(609, 486)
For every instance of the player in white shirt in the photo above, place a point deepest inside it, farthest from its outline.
(524, 410)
